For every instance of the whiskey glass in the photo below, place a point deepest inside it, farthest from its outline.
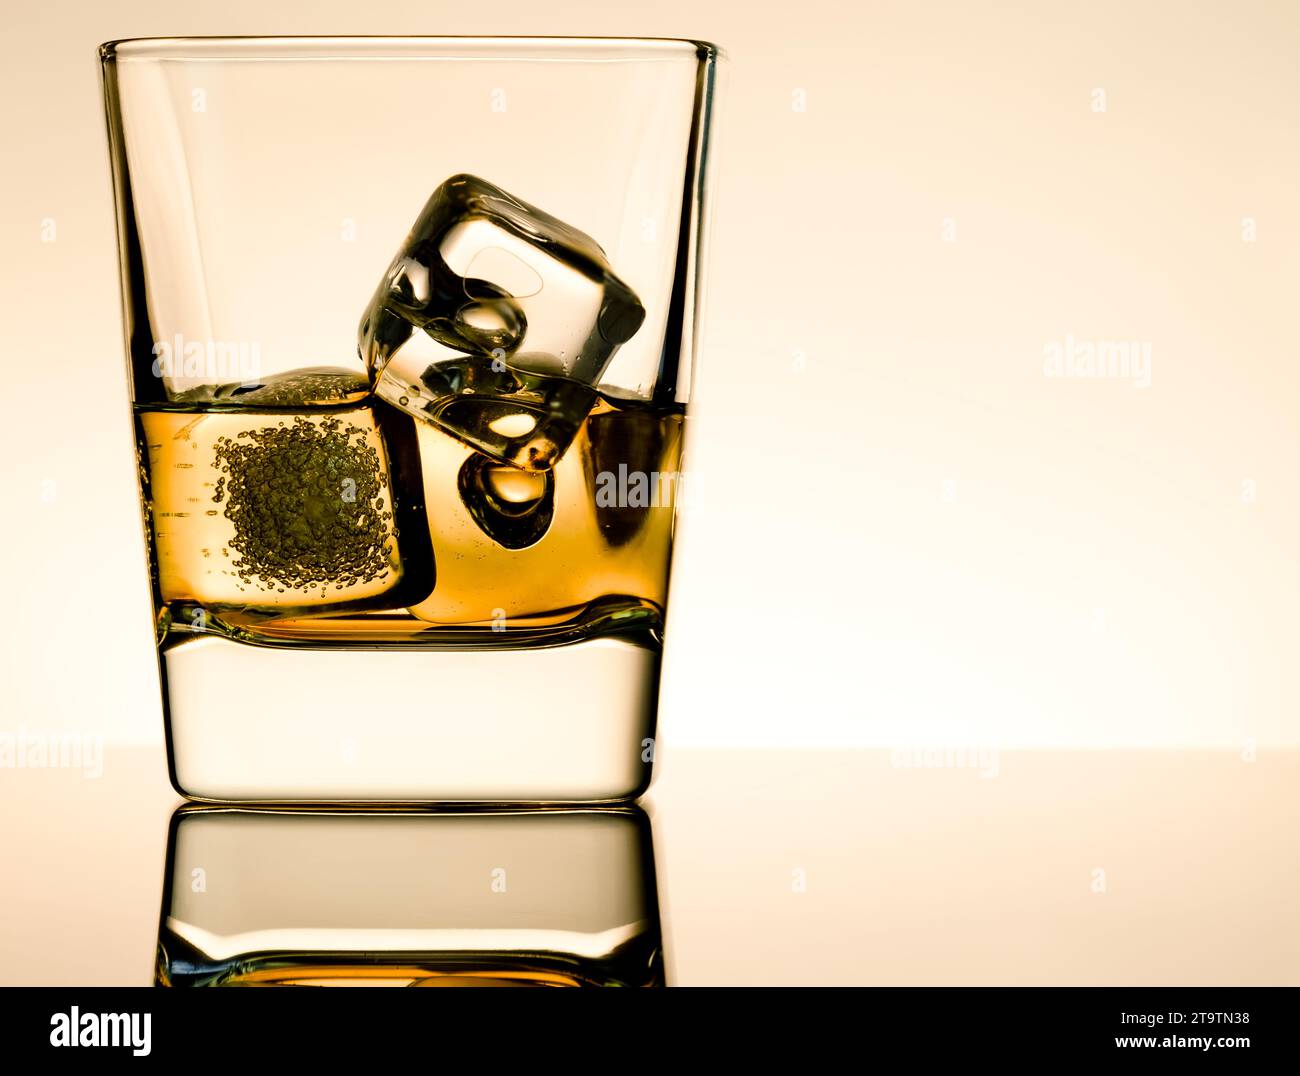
(409, 516)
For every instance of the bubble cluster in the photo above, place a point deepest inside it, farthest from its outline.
(308, 506)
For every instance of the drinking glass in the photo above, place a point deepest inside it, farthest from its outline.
(410, 326)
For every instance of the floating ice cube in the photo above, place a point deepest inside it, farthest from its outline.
(306, 387)
(527, 420)
(525, 312)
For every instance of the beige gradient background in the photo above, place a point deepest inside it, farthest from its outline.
(911, 536)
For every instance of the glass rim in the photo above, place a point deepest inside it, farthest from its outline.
(460, 47)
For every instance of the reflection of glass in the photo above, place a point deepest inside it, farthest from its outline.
(493, 897)
(409, 502)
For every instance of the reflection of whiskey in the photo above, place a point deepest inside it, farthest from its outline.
(514, 970)
(390, 898)
(349, 521)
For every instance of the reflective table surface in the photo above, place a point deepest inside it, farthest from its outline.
(770, 867)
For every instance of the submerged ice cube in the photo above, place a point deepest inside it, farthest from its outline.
(495, 321)
(280, 510)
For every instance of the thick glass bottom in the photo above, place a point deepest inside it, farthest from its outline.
(569, 723)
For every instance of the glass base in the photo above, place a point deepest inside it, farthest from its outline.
(555, 724)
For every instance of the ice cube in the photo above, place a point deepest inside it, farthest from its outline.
(524, 312)
(276, 512)
(523, 419)
(306, 387)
